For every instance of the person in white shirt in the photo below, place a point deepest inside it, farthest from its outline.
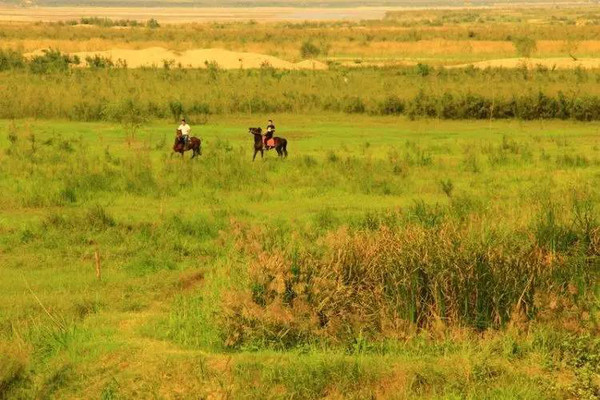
(185, 131)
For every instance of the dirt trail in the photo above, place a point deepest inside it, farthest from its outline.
(550, 63)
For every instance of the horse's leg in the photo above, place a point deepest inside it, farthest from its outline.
(254, 156)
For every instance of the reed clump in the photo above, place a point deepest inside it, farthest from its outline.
(390, 283)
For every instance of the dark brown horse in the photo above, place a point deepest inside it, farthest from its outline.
(193, 144)
(279, 144)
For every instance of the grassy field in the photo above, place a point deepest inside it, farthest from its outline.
(176, 238)
(434, 233)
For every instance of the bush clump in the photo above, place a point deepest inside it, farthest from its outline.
(388, 283)
(10, 59)
(52, 61)
(309, 50)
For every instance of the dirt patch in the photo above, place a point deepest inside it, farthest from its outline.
(198, 58)
(550, 63)
(190, 280)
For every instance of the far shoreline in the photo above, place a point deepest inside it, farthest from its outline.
(186, 14)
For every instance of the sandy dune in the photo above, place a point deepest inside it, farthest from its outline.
(550, 63)
(198, 58)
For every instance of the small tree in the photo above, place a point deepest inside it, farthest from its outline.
(129, 113)
(525, 46)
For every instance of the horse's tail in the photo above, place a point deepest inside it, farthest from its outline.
(196, 146)
(284, 147)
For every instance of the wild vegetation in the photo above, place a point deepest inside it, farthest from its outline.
(45, 87)
(407, 245)
(437, 37)
(434, 233)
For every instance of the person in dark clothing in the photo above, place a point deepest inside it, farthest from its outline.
(270, 132)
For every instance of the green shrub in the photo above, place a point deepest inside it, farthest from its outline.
(99, 62)
(423, 69)
(51, 61)
(309, 50)
(10, 59)
(152, 23)
(354, 105)
(524, 45)
(392, 105)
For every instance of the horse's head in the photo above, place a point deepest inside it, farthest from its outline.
(178, 132)
(255, 131)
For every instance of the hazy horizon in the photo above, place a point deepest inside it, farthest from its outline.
(275, 3)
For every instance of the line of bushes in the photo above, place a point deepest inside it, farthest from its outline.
(45, 86)
(445, 106)
(108, 23)
(474, 106)
(49, 61)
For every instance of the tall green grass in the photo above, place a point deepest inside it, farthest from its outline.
(396, 279)
(129, 96)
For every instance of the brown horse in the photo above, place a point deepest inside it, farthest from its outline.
(279, 144)
(193, 144)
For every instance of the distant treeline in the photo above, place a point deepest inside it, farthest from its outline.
(47, 87)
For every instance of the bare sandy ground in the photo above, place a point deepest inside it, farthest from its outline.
(226, 59)
(550, 63)
(187, 15)
(198, 58)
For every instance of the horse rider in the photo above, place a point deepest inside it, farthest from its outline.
(185, 131)
(270, 132)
